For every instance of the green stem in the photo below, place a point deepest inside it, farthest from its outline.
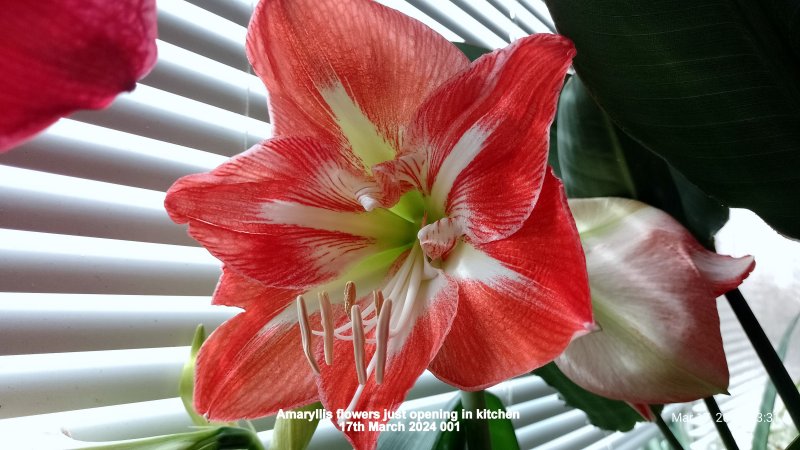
(767, 354)
(477, 430)
(722, 425)
(668, 434)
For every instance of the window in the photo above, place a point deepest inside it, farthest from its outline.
(101, 292)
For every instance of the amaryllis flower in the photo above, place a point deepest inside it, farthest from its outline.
(58, 56)
(402, 219)
(654, 290)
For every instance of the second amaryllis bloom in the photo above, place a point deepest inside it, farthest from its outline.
(654, 290)
(403, 219)
(59, 56)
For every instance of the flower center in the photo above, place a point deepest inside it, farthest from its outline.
(389, 315)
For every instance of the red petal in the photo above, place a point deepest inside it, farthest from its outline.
(521, 299)
(63, 55)
(408, 355)
(486, 135)
(286, 213)
(253, 364)
(386, 62)
(653, 290)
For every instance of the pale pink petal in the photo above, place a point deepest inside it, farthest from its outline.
(654, 290)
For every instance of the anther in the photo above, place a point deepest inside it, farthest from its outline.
(305, 332)
(358, 343)
(377, 298)
(382, 339)
(327, 325)
(349, 296)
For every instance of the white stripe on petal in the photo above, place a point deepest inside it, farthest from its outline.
(365, 139)
(468, 263)
(463, 153)
(379, 224)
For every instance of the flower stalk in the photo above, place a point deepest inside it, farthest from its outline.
(668, 434)
(720, 423)
(477, 429)
(766, 353)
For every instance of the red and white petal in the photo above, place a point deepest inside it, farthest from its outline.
(521, 299)
(654, 290)
(60, 56)
(408, 355)
(287, 213)
(350, 71)
(254, 363)
(485, 134)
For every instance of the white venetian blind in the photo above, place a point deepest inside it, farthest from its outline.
(100, 292)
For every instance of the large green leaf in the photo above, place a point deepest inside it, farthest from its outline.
(713, 86)
(795, 445)
(597, 159)
(471, 51)
(452, 437)
(761, 433)
(604, 413)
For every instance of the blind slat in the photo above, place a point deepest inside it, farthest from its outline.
(36, 201)
(548, 429)
(158, 114)
(42, 328)
(538, 409)
(522, 17)
(237, 11)
(35, 384)
(576, 440)
(492, 19)
(91, 152)
(199, 31)
(459, 22)
(41, 262)
(196, 77)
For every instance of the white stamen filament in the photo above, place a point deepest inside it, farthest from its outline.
(379, 315)
(382, 338)
(358, 343)
(326, 314)
(305, 333)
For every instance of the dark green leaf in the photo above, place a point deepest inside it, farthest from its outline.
(602, 412)
(795, 445)
(552, 156)
(471, 51)
(761, 433)
(501, 431)
(597, 159)
(710, 85)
